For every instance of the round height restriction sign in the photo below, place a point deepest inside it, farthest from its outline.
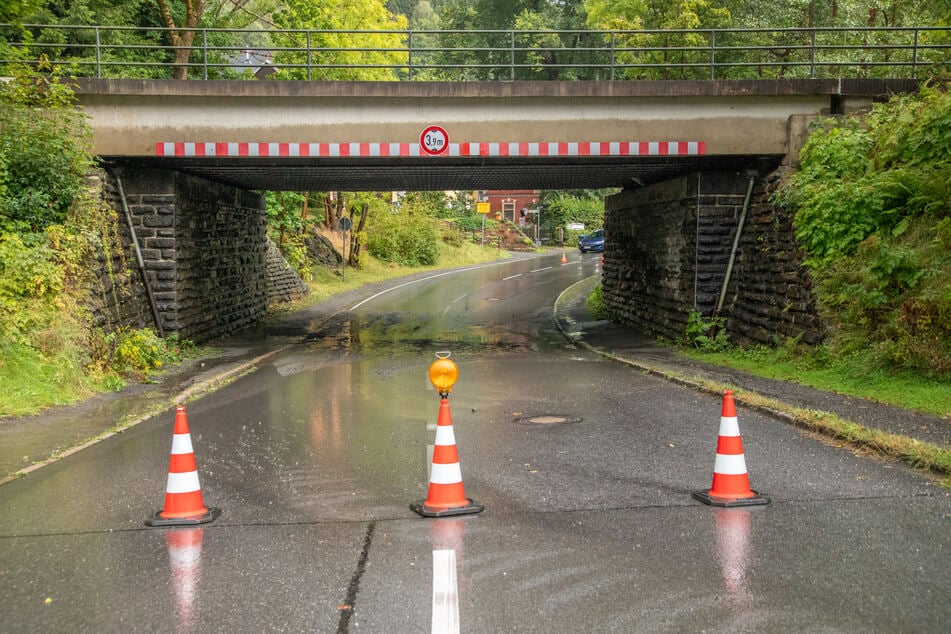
(434, 140)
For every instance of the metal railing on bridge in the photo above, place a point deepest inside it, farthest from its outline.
(502, 55)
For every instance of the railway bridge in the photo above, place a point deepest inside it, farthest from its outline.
(695, 160)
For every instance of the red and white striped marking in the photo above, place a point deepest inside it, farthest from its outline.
(373, 150)
(183, 471)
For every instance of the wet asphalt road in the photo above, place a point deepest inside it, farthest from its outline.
(588, 526)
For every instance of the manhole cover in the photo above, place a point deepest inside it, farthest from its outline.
(546, 419)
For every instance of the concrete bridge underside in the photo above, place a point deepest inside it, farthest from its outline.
(731, 125)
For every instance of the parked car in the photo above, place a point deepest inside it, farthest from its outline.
(591, 242)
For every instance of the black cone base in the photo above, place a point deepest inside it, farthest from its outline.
(158, 521)
(428, 511)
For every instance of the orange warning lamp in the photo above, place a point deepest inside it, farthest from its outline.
(443, 373)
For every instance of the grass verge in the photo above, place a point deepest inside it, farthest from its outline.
(849, 376)
(920, 455)
(926, 457)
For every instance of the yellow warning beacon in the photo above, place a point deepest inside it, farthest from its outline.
(443, 373)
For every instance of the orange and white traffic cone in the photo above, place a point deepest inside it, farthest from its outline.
(564, 258)
(183, 502)
(447, 495)
(731, 483)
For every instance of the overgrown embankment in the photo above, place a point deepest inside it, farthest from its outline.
(873, 212)
(872, 205)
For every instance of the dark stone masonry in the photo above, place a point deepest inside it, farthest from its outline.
(211, 268)
(670, 244)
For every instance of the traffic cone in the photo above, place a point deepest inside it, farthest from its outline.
(447, 495)
(564, 259)
(731, 483)
(183, 503)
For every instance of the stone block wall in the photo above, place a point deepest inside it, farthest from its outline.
(669, 247)
(284, 284)
(770, 294)
(205, 252)
(117, 296)
(219, 257)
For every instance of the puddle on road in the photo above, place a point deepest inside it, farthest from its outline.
(392, 333)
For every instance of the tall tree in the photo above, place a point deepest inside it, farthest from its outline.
(180, 30)
(331, 49)
(670, 55)
(516, 39)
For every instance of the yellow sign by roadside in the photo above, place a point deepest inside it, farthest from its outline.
(482, 208)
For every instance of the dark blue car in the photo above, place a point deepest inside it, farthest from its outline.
(592, 242)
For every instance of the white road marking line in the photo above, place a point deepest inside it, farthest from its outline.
(444, 273)
(511, 277)
(538, 270)
(445, 593)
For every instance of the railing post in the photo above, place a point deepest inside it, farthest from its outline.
(812, 55)
(98, 55)
(613, 55)
(310, 59)
(713, 54)
(204, 52)
(409, 54)
(914, 56)
(512, 54)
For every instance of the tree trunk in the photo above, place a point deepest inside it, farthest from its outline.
(182, 39)
(182, 54)
(355, 239)
(328, 213)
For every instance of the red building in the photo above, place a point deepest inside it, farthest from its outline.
(508, 204)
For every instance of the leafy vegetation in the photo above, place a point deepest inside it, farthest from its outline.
(406, 239)
(562, 208)
(873, 212)
(44, 150)
(595, 303)
(331, 40)
(707, 334)
(49, 227)
(483, 39)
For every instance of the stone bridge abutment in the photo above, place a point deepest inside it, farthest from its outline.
(210, 269)
(669, 251)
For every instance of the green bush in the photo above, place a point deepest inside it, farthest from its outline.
(30, 282)
(706, 333)
(403, 238)
(473, 222)
(137, 352)
(861, 177)
(45, 150)
(595, 302)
